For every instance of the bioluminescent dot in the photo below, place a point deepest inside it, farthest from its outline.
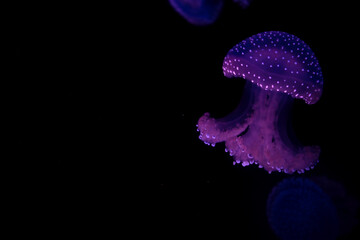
(298, 209)
(198, 12)
(277, 67)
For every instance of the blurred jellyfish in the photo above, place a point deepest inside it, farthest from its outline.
(243, 3)
(198, 12)
(277, 67)
(299, 209)
(346, 205)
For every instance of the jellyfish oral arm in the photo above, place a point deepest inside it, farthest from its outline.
(260, 137)
(213, 131)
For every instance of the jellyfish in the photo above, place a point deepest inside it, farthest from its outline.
(347, 206)
(243, 3)
(198, 12)
(297, 208)
(316, 208)
(278, 67)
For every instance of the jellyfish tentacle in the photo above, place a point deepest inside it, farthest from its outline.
(211, 133)
(218, 130)
(261, 137)
(267, 143)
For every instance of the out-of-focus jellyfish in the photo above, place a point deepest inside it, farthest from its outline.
(297, 208)
(277, 67)
(346, 205)
(243, 3)
(198, 12)
(300, 208)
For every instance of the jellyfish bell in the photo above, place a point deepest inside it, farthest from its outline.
(277, 67)
(277, 61)
(198, 12)
(297, 208)
(311, 208)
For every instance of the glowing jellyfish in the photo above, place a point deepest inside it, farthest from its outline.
(278, 67)
(198, 12)
(300, 208)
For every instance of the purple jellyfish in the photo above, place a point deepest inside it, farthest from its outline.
(198, 12)
(243, 3)
(278, 67)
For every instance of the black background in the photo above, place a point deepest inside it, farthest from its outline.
(104, 101)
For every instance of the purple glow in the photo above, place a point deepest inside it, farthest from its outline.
(297, 208)
(198, 12)
(311, 208)
(243, 3)
(278, 67)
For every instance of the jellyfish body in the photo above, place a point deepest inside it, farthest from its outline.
(198, 12)
(297, 208)
(278, 67)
